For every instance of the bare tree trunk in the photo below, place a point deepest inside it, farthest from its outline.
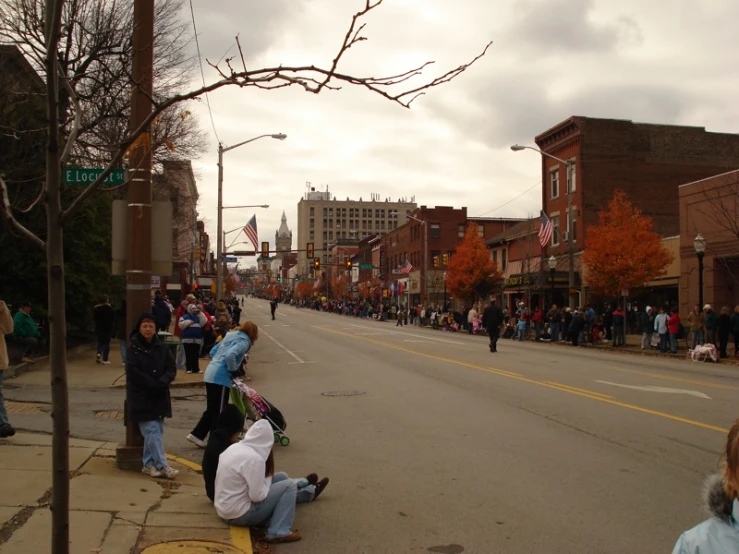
(57, 312)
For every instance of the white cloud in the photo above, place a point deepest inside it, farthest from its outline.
(551, 59)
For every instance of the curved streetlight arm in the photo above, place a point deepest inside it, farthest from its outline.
(518, 148)
(278, 136)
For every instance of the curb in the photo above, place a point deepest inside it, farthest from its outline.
(19, 369)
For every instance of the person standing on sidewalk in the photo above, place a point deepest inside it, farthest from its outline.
(696, 321)
(647, 327)
(227, 356)
(723, 327)
(25, 332)
(673, 328)
(492, 319)
(104, 317)
(660, 325)
(6, 327)
(192, 324)
(150, 368)
(555, 322)
(161, 311)
(735, 330)
(710, 323)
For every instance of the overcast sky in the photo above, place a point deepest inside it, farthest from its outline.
(671, 62)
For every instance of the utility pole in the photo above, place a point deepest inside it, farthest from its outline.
(138, 216)
(219, 240)
(570, 238)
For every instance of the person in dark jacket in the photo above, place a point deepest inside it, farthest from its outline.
(150, 368)
(273, 308)
(723, 327)
(120, 329)
(104, 317)
(735, 330)
(230, 426)
(618, 319)
(492, 319)
(162, 312)
(577, 325)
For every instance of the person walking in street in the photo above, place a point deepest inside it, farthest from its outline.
(6, 327)
(647, 326)
(660, 326)
(723, 329)
(696, 321)
(150, 368)
(673, 328)
(710, 323)
(161, 311)
(227, 357)
(120, 329)
(192, 326)
(273, 308)
(104, 317)
(720, 533)
(25, 332)
(401, 317)
(492, 319)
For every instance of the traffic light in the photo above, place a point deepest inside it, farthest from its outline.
(265, 250)
(316, 264)
(310, 250)
(436, 261)
(348, 264)
(445, 259)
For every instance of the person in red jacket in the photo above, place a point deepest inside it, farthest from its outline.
(673, 327)
(538, 320)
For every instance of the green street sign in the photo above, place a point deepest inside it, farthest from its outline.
(366, 266)
(82, 176)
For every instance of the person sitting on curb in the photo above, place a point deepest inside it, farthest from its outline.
(229, 430)
(248, 492)
(25, 332)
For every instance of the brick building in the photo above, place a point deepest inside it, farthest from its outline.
(340, 252)
(647, 161)
(710, 207)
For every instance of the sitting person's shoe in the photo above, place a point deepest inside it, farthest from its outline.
(320, 486)
(6, 431)
(312, 479)
(292, 537)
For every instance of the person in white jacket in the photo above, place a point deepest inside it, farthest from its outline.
(246, 493)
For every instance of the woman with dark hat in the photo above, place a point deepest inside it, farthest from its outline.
(150, 368)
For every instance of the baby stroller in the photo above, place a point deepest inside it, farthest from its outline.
(255, 407)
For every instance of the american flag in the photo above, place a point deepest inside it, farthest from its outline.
(407, 267)
(251, 232)
(545, 230)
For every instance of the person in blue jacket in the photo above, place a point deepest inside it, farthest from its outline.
(226, 359)
(720, 533)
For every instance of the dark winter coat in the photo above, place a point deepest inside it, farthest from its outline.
(230, 422)
(104, 317)
(161, 311)
(492, 318)
(120, 323)
(150, 368)
(724, 324)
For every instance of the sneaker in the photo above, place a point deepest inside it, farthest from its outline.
(6, 431)
(27, 360)
(312, 479)
(196, 441)
(168, 472)
(151, 471)
(106, 363)
(188, 372)
(99, 359)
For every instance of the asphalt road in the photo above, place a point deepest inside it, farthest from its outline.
(434, 444)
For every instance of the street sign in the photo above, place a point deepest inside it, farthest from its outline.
(85, 176)
(230, 259)
(366, 266)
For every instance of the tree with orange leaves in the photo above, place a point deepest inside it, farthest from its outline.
(304, 289)
(623, 251)
(471, 266)
(339, 287)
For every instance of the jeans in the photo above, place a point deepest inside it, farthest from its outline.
(192, 356)
(618, 335)
(646, 341)
(521, 333)
(181, 357)
(697, 338)
(673, 343)
(216, 397)
(153, 446)
(278, 507)
(663, 342)
(3, 413)
(554, 330)
(537, 330)
(30, 344)
(124, 350)
(104, 345)
(306, 491)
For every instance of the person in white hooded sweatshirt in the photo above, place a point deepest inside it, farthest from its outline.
(245, 492)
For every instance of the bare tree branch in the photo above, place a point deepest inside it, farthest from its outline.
(6, 212)
(72, 138)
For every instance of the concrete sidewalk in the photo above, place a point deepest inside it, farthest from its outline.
(111, 511)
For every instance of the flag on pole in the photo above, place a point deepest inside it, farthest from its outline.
(407, 267)
(316, 283)
(401, 288)
(251, 232)
(545, 230)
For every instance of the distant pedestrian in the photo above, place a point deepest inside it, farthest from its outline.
(150, 368)
(273, 308)
(26, 333)
(696, 321)
(723, 326)
(660, 326)
(673, 328)
(400, 318)
(6, 327)
(647, 326)
(710, 324)
(104, 317)
(161, 311)
(492, 319)
(618, 320)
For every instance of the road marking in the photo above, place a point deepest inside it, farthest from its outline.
(676, 379)
(283, 347)
(560, 385)
(403, 333)
(285, 325)
(650, 388)
(416, 341)
(295, 363)
(535, 382)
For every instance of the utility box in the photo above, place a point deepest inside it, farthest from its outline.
(161, 238)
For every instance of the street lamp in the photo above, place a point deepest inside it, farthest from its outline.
(570, 246)
(699, 243)
(219, 250)
(552, 266)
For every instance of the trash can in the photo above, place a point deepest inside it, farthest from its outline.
(172, 342)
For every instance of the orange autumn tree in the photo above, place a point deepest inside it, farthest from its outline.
(471, 266)
(304, 289)
(339, 287)
(623, 251)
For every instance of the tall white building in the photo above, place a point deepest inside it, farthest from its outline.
(283, 238)
(322, 219)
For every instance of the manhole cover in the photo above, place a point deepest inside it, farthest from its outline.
(25, 407)
(109, 414)
(191, 547)
(343, 393)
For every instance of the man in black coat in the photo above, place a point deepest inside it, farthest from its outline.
(104, 316)
(492, 319)
(273, 307)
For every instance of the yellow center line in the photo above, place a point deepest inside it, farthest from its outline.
(580, 390)
(502, 373)
(676, 379)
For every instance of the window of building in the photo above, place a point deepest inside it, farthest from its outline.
(481, 230)
(325, 212)
(382, 214)
(330, 235)
(364, 224)
(377, 224)
(330, 222)
(395, 224)
(312, 212)
(573, 183)
(312, 223)
(554, 183)
(504, 258)
(331, 212)
(324, 258)
(325, 235)
(435, 230)
(312, 235)
(460, 231)
(382, 224)
(574, 223)
(555, 230)
(377, 213)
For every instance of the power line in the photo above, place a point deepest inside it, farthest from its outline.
(511, 200)
(202, 73)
